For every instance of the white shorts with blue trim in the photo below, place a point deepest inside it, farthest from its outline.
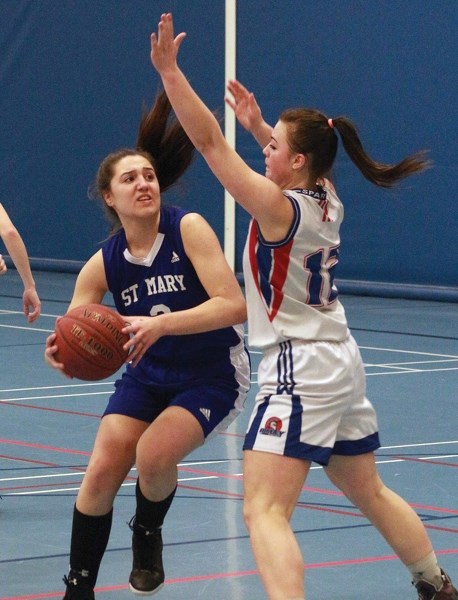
(312, 402)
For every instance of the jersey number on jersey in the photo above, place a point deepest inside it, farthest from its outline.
(320, 267)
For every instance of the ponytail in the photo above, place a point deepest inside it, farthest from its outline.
(310, 132)
(166, 141)
(380, 174)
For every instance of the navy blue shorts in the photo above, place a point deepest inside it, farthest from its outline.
(214, 397)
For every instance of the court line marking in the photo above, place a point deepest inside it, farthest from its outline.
(27, 328)
(184, 467)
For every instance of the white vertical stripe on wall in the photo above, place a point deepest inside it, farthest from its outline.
(229, 127)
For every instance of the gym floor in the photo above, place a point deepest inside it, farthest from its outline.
(48, 424)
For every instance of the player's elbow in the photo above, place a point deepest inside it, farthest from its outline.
(10, 234)
(240, 314)
(11, 238)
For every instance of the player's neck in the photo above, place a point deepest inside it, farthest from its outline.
(141, 236)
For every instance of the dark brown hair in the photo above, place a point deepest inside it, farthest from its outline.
(161, 140)
(310, 132)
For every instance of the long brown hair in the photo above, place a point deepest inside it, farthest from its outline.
(161, 140)
(311, 132)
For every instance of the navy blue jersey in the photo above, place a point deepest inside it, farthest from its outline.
(164, 281)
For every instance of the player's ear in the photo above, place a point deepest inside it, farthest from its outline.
(108, 199)
(299, 161)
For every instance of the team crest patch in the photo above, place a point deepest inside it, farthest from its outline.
(273, 427)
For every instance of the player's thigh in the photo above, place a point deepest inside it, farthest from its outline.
(272, 482)
(356, 476)
(115, 445)
(170, 438)
(111, 460)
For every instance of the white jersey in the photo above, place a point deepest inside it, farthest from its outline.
(289, 284)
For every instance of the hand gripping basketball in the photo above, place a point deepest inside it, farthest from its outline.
(90, 342)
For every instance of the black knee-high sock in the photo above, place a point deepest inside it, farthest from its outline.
(151, 515)
(89, 541)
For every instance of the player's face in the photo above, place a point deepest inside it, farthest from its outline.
(278, 157)
(134, 188)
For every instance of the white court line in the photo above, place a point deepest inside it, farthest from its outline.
(418, 445)
(76, 489)
(55, 387)
(4, 311)
(408, 352)
(57, 396)
(409, 371)
(393, 372)
(74, 473)
(315, 467)
(414, 362)
(27, 328)
(453, 356)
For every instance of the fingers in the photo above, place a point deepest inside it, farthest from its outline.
(33, 316)
(137, 354)
(237, 89)
(3, 268)
(50, 351)
(230, 103)
(164, 38)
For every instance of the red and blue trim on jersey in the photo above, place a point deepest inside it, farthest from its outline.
(269, 263)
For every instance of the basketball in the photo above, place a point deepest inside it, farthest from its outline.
(90, 342)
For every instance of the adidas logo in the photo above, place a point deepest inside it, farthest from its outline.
(205, 412)
(175, 257)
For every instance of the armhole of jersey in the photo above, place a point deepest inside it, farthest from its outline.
(106, 270)
(292, 230)
(179, 239)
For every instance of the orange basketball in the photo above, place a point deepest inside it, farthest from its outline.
(90, 342)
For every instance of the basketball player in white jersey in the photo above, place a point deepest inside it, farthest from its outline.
(311, 405)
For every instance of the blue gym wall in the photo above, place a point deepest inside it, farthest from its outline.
(75, 73)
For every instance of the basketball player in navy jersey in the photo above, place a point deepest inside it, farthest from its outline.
(188, 372)
(18, 253)
(311, 405)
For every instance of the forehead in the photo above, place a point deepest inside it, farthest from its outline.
(132, 163)
(279, 132)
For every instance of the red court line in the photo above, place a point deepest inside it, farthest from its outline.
(29, 460)
(43, 447)
(449, 511)
(215, 576)
(314, 490)
(305, 505)
(41, 486)
(426, 462)
(58, 410)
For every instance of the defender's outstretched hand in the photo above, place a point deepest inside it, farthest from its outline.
(248, 112)
(164, 46)
(244, 105)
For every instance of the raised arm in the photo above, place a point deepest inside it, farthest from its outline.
(248, 112)
(262, 198)
(18, 253)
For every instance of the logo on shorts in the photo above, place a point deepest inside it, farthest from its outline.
(205, 412)
(273, 427)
